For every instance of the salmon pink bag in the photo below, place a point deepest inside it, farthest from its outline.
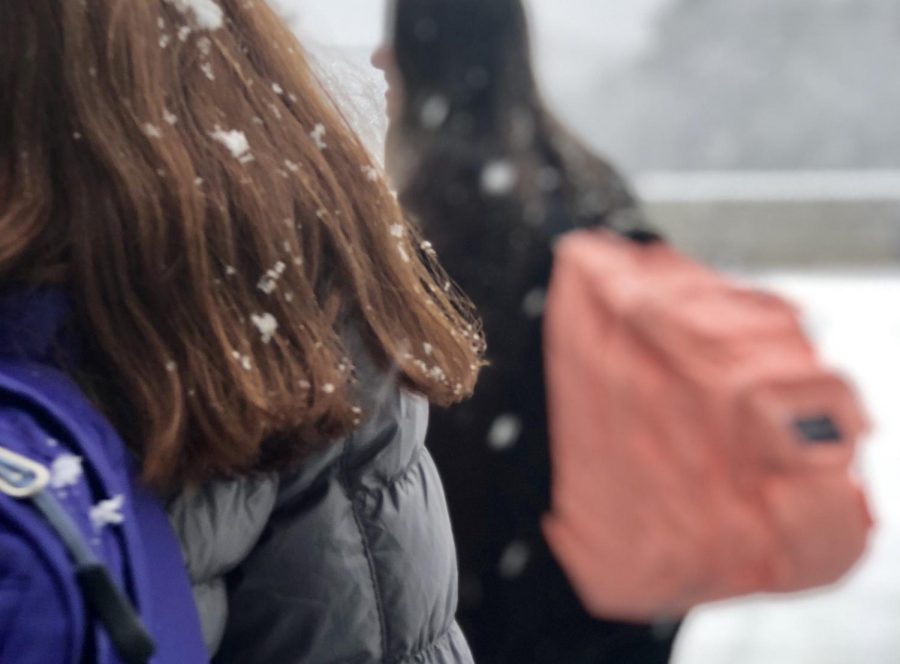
(700, 449)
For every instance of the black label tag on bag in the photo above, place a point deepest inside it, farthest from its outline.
(821, 430)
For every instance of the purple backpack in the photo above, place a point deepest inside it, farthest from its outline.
(90, 570)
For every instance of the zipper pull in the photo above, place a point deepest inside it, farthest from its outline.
(21, 477)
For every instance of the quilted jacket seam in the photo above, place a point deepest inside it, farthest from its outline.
(370, 558)
(420, 656)
(413, 465)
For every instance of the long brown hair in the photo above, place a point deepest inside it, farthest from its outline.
(175, 165)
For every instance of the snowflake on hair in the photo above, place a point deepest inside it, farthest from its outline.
(318, 136)
(205, 14)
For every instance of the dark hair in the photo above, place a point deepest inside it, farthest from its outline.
(471, 103)
(176, 167)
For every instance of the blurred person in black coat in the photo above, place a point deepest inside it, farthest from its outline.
(493, 178)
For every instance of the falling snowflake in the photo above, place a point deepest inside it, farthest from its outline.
(266, 324)
(504, 432)
(183, 33)
(533, 304)
(514, 560)
(65, 471)
(171, 366)
(245, 363)
(206, 14)
(164, 41)
(498, 177)
(328, 388)
(277, 89)
(291, 166)
(318, 136)
(207, 70)
(549, 179)
(428, 348)
(236, 143)
(152, 130)
(370, 173)
(230, 271)
(397, 230)
(169, 116)
(434, 111)
(108, 512)
(404, 255)
(204, 44)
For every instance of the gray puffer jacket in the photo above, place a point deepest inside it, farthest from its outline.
(348, 560)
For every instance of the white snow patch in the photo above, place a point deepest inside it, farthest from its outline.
(205, 14)
(66, 470)
(318, 136)
(370, 173)
(266, 324)
(269, 281)
(108, 512)
(152, 130)
(236, 143)
(205, 45)
(397, 230)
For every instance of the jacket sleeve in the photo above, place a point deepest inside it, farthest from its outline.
(217, 526)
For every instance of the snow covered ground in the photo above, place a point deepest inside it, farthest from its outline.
(854, 318)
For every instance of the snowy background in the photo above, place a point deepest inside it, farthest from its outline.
(711, 85)
(689, 84)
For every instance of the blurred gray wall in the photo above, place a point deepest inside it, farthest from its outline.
(760, 220)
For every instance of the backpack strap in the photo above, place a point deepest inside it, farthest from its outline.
(23, 479)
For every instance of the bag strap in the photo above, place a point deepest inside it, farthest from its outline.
(24, 479)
